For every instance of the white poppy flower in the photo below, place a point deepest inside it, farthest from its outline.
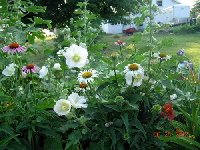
(76, 56)
(9, 70)
(87, 76)
(43, 72)
(56, 66)
(62, 107)
(77, 101)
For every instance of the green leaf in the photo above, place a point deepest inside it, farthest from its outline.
(74, 138)
(3, 6)
(183, 141)
(5, 141)
(36, 9)
(68, 125)
(48, 103)
(53, 143)
(38, 20)
(139, 126)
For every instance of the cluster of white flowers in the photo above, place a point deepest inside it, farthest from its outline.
(9, 70)
(63, 106)
(134, 74)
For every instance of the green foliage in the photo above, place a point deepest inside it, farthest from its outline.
(107, 10)
(116, 114)
(186, 28)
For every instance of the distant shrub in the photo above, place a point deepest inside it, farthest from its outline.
(116, 36)
(187, 28)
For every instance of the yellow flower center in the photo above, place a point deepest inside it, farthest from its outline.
(162, 55)
(64, 107)
(76, 58)
(133, 67)
(87, 74)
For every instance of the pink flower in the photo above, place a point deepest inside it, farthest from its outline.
(30, 68)
(14, 48)
(120, 43)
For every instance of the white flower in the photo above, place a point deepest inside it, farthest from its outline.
(76, 56)
(134, 74)
(77, 101)
(133, 68)
(56, 66)
(87, 76)
(62, 107)
(161, 56)
(9, 70)
(134, 79)
(43, 72)
(173, 97)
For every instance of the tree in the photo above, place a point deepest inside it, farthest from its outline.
(197, 6)
(113, 11)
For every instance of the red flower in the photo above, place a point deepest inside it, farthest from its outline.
(168, 111)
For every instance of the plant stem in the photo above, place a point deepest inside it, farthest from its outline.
(120, 49)
(150, 33)
(114, 67)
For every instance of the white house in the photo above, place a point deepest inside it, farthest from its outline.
(170, 12)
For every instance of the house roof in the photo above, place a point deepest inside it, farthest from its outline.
(177, 1)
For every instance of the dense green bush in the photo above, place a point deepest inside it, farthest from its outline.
(186, 28)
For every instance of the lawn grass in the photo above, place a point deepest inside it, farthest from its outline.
(173, 42)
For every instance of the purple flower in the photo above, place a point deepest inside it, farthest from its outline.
(181, 52)
(120, 43)
(14, 48)
(30, 68)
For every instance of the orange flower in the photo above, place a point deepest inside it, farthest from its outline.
(156, 134)
(168, 111)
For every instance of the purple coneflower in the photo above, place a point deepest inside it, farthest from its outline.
(30, 68)
(14, 48)
(120, 43)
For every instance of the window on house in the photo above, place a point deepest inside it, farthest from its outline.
(159, 2)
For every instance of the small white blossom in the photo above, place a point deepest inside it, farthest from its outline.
(56, 66)
(62, 107)
(173, 97)
(77, 101)
(9, 70)
(43, 72)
